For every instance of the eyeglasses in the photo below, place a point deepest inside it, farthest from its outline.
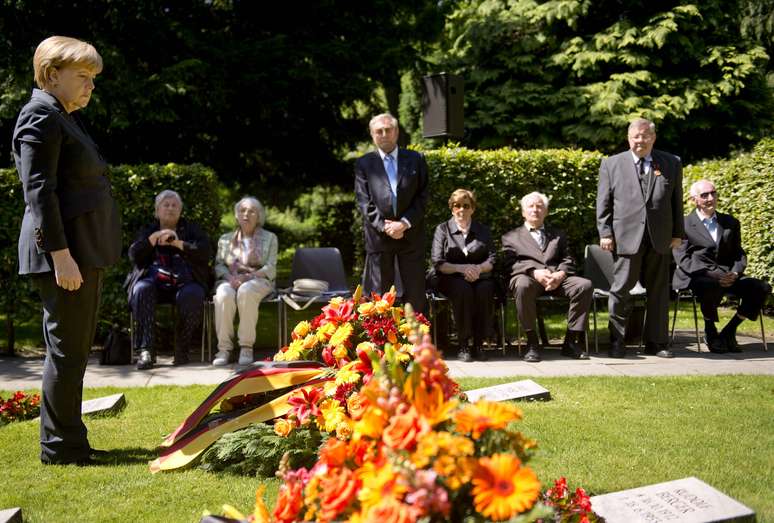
(457, 205)
(707, 194)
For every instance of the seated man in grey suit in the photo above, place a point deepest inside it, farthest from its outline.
(540, 263)
(711, 262)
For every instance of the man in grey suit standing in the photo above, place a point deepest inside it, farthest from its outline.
(640, 219)
(391, 194)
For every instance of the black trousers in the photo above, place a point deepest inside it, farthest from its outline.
(472, 304)
(751, 291)
(69, 322)
(651, 269)
(379, 275)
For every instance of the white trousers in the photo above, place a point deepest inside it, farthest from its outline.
(246, 299)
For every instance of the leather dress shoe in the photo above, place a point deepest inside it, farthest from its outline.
(715, 343)
(81, 462)
(617, 349)
(573, 350)
(181, 358)
(144, 361)
(658, 350)
(731, 344)
(532, 355)
(98, 452)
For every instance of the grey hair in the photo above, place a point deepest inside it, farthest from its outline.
(638, 122)
(167, 193)
(532, 195)
(388, 116)
(255, 203)
(694, 192)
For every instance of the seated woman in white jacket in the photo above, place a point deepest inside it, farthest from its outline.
(245, 268)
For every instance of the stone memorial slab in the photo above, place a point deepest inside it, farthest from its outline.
(11, 515)
(104, 406)
(687, 500)
(517, 390)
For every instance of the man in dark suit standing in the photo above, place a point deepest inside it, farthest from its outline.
(541, 263)
(640, 219)
(391, 192)
(711, 261)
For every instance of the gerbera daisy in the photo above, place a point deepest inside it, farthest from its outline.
(502, 488)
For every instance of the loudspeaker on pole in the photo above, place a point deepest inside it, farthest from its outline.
(442, 106)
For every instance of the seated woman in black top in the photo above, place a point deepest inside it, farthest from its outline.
(463, 258)
(170, 258)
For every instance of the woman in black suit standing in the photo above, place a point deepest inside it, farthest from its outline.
(463, 257)
(70, 232)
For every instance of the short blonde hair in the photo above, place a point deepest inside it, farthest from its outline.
(61, 51)
(460, 195)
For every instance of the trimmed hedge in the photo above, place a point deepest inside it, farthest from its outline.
(745, 186)
(134, 188)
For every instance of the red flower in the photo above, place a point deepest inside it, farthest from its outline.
(290, 500)
(305, 403)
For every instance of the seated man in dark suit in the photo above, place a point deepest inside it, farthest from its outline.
(540, 262)
(711, 262)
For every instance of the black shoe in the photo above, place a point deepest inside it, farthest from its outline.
(480, 354)
(658, 350)
(464, 355)
(617, 349)
(82, 462)
(532, 355)
(573, 350)
(144, 361)
(730, 340)
(181, 358)
(715, 343)
(98, 453)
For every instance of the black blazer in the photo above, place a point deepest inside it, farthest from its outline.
(69, 203)
(522, 254)
(699, 254)
(448, 245)
(196, 252)
(374, 199)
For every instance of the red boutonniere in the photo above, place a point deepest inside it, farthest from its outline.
(656, 169)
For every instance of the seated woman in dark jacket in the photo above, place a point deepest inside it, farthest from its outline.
(170, 258)
(463, 257)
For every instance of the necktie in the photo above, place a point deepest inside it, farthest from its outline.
(392, 175)
(712, 227)
(540, 237)
(643, 176)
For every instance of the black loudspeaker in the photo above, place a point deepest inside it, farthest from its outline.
(442, 111)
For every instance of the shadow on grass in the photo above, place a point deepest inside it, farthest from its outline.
(127, 456)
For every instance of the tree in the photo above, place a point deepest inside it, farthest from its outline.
(573, 72)
(264, 96)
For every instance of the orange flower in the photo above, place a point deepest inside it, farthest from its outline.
(338, 489)
(371, 424)
(483, 415)
(289, 502)
(366, 309)
(282, 427)
(402, 431)
(356, 405)
(260, 512)
(502, 488)
(334, 452)
(430, 403)
(379, 480)
(390, 511)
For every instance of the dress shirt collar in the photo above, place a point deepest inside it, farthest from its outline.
(393, 153)
(703, 216)
(648, 158)
(529, 228)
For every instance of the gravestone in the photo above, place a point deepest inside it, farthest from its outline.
(517, 390)
(105, 405)
(687, 500)
(11, 515)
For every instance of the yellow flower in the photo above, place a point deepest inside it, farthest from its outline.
(502, 488)
(344, 429)
(366, 346)
(310, 341)
(347, 375)
(282, 427)
(379, 481)
(329, 387)
(336, 302)
(340, 352)
(431, 405)
(260, 512)
(477, 418)
(332, 414)
(366, 309)
(371, 424)
(301, 329)
(382, 306)
(325, 332)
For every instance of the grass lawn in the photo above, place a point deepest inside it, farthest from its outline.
(605, 434)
